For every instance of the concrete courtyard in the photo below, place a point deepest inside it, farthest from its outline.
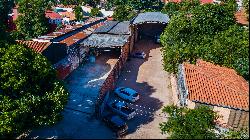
(78, 116)
(153, 83)
(144, 75)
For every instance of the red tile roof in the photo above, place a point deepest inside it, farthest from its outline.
(216, 85)
(38, 47)
(241, 17)
(67, 14)
(53, 15)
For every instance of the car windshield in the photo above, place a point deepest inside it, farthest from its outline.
(135, 95)
(121, 89)
(127, 109)
(124, 92)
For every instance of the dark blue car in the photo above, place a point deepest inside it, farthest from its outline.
(116, 124)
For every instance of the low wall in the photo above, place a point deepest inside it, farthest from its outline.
(109, 83)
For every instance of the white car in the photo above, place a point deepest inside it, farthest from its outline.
(127, 94)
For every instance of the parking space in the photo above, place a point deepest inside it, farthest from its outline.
(148, 78)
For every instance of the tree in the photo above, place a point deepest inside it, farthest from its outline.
(246, 7)
(30, 94)
(184, 123)
(123, 13)
(95, 12)
(235, 134)
(173, 8)
(78, 13)
(92, 3)
(32, 21)
(188, 35)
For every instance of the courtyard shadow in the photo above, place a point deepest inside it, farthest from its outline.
(147, 105)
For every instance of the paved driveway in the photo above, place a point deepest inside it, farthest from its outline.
(83, 85)
(153, 83)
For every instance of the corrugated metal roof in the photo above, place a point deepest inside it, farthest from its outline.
(151, 17)
(105, 40)
(121, 28)
(216, 85)
(106, 27)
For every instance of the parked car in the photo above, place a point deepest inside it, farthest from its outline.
(157, 39)
(122, 109)
(116, 124)
(127, 94)
(139, 55)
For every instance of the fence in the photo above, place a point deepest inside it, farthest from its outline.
(109, 83)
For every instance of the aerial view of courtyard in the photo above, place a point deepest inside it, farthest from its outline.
(124, 69)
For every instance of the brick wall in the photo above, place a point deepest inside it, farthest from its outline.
(109, 83)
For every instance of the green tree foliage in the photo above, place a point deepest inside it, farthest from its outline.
(229, 48)
(236, 134)
(95, 12)
(123, 13)
(92, 3)
(184, 123)
(246, 7)
(173, 8)
(78, 13)
(32, 21)
(30, 94)
(208, 32)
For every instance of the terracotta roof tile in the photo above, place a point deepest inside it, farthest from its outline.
(213, 84)
(52, 15)
(38, 47)
(241, 17)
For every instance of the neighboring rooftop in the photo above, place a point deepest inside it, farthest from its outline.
(52, 15)
(241, 17)
(216, 85)
(157, 17)
(67, 29)
(38, 47)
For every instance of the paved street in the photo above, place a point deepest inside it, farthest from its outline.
(153, 83)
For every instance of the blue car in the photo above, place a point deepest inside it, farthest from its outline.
(116, 124)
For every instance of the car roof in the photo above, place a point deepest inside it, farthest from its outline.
(117, 120)
(129, 90)
(119, 103)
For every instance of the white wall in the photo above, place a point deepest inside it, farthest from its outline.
(106, 13)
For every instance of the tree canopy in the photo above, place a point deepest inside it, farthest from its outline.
(30, 94)
(78, 13)
(123, 13)
(95, 12)
(32, 21)
(184, 123)
(198, 123)
(208, 32)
